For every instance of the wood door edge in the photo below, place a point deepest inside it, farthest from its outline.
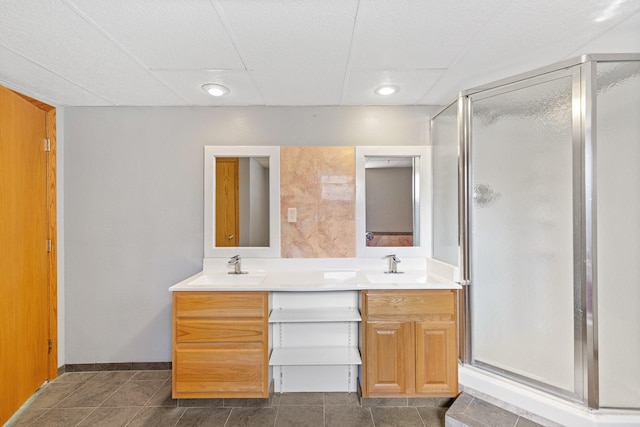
(53, 236)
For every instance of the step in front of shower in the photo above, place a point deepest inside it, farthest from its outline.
(473, 411)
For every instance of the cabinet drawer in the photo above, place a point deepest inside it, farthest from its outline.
(214, 331)
(213, 370)
(408, 304)
(220, 304)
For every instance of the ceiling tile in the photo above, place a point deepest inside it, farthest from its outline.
(525, 37)
(412, 34)
(297, 51)
(32, 80)
(189, 84)
(51, 34)
(413, 85)
(623, 38)
(185, 34)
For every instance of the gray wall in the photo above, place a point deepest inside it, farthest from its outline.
(389, 194)
(133, 206)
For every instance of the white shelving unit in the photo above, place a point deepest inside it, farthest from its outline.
(315, 335)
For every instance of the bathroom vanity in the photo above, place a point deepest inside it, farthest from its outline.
(234, 336)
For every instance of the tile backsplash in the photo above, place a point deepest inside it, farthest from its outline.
(319, 183)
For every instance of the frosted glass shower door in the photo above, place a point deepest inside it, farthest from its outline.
(521, 231)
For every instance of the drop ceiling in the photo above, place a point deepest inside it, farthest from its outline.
(293, 52)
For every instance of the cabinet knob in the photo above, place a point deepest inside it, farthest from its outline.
(230, 237)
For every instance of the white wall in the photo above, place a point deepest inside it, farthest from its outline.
(133, 189)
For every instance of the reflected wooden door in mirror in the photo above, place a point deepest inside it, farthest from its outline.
(227, 206)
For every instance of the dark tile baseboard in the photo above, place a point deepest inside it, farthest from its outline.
(126, 366)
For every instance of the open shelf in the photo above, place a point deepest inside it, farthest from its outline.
(290, 356)
(315, 315)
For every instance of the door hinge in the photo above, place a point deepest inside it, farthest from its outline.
(49, 245)
(47, 144)
(50, 345)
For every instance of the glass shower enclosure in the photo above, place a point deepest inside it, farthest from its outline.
(549, 230)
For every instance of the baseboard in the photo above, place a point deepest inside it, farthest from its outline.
(126, 366)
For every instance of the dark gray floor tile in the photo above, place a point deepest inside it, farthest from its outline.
(247, 403)
(300, 416)
(162, 397)
(301, 399)
(62, 417)
(341, 399)
(200, 403)
(432, 416)
(25, 417)
(252, 417)
(156, 417)
(462, 420)
(90, 394)
(110, 417)
(347, 416)
(384, 401)
(204, 417)
(275, 399)
(152, 376)
(52, 394)
(116, 376)
(434, 402)
(523, 422)
(74, 377)
(490, 414)
(460, 404)
(396, 417)
(133, 393)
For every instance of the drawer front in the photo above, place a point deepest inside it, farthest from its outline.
(220, 370)
(410, 303)
(218, 331)
(221, 304)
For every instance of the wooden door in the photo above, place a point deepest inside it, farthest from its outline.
(390, 358)
(227, 202)
(24, 252)
(437, 361)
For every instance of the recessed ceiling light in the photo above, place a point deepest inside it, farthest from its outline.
(386, 90)
(215, 89)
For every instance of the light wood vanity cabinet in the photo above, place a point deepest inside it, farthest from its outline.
(220, 344)
(409, 343)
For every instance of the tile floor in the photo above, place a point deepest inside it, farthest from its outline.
(143, 398)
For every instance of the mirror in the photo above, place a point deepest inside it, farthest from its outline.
(392, 201)
(242, 201)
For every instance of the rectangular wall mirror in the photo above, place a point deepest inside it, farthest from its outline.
(242, 201)
(393, 201)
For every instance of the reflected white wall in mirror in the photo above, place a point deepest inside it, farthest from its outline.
(242, 196)
(393, 201)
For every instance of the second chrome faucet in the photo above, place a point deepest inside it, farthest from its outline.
(393, 264)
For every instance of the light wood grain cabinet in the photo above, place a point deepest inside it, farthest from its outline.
(220, 345)
(409, 343)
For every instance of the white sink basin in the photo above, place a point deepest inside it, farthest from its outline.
(397, 278)
(225, 279)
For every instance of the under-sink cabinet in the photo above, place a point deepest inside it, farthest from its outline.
(220, 345)
(409, 343)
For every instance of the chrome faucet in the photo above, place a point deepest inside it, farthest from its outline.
(235, 261)
(393, 264)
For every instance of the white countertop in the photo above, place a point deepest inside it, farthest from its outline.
(312, 281)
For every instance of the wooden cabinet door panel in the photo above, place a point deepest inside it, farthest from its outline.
(390, 359)
(220, 372)
(436, 364)
(216, 331)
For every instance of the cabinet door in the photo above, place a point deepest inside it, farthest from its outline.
(436, 354)
(390, 358)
